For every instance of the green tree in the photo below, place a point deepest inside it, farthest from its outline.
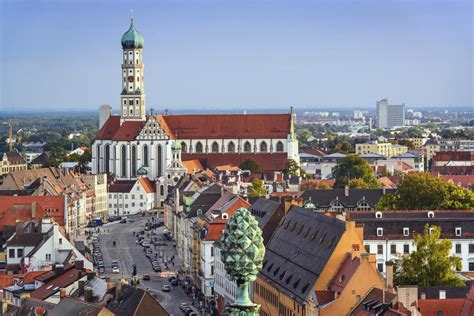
(250, 164)
(431, 264)
(358, 183)
(84, 161)
(422, 191)
(257, 188)
(351, 167)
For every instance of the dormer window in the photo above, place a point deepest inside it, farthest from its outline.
(379, 232)
(378, 214)
(458, 231)
(430, 214)
(430, 230)
(406, 231)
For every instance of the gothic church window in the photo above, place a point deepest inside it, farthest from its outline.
(263, 147)
(231, 147)
(145, 155)
(159, 161)
(107, 158)
(247, 147)
(134, 161)
(184, 148)
(199, 147)
(279, 146)
(124, 160)
(214, 148)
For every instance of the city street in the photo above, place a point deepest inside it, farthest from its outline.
(127, 252)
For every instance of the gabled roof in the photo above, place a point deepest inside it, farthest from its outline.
(299, 250)
(25, 239)
(263, 210)
(22, 208)
(393, 223)
(373, 297)
(29, 306)
(335, 155)
(323, 198)
(452, 156)
(135, 301)
(193, 165)
(266, 161)
(15, 158)
(121, 186)
(147, 184)
(70, 306)
(229, 125)
(53, 285)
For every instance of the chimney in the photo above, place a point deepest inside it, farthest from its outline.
(346, 190)
(81, 288)
(79, 264)
(62, 293)
(88, 294)
(19, 227)
(58, 269)
(33, 210)
(423, 296)
(389, 275)
(384, 190)
(442, 294)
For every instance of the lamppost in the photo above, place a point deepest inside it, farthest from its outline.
(242, 254)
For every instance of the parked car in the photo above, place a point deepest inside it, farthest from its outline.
(146, 277)
(123, 221)
(166, 288)
(183, 306)
(115, 269)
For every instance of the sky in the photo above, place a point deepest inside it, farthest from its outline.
(224, 54)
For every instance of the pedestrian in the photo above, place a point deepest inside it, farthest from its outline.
(136, 241)
(172, 263)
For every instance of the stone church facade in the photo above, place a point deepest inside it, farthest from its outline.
(135, 144)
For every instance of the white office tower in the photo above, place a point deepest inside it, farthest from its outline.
(388, 115)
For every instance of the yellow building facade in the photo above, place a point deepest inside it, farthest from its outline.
(385, 149)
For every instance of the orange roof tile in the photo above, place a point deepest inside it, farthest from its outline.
(193, 166)
(227, 168)
(13, 208)
(449, 307)
(6, 280)
(147, 184)
(29, 278)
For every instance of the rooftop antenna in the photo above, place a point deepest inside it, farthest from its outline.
(166, 111)
(151, 111)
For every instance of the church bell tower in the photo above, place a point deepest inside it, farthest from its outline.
(132, 97)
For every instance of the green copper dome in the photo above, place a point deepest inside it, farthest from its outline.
(176, 145)
(132, 38)
(142, 171)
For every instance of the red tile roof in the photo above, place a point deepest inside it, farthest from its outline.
(15, 158)
(452, 156)
(449, 307)
(13, 208)
(267, 161)
(147, 185)
(229, 125)
(463, 180)
(193, 166)
(129, 130)
(29, 278)
(121, 186)
(54, 285)
(6, 280)
(110, 128)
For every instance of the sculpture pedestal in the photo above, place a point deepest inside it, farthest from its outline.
(239, 310)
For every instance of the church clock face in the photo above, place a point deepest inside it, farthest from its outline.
(130, 78)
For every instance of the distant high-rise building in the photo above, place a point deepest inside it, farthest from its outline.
(389, 115)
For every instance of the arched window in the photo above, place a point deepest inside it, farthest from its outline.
(247, 147)
(134, 161)
(279, 146)
(98, 158)
(231, 147)
(199, 147)
(184, 148)
(215, 147)
(107, 158)
(145, 155)
(263, 147)
(123, 160)
(159, 161)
